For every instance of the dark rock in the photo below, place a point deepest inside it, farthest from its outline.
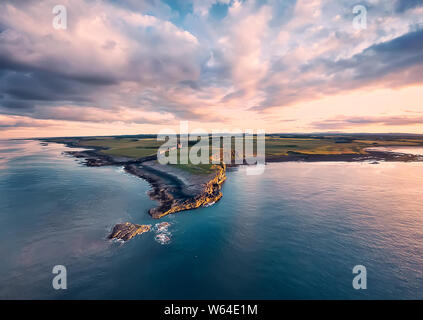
(126, 231)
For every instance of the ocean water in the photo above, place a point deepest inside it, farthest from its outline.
(295, 232)
(408, 150)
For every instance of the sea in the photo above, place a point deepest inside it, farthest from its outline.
(297, 231)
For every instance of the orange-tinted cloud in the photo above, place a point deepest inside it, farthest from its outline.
(142, 65)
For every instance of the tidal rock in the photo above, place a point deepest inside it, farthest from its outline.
(126, 231)
(162, 238)
(162, 227)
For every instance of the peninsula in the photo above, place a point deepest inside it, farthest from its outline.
(182, 187)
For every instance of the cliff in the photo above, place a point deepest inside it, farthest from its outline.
(208, 193)
(171, 197)
(174, 189)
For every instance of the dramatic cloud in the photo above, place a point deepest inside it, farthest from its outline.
(214, 61)
(19, 122)
(404, 5)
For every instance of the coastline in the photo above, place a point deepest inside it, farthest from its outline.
(266, 214)
(368, 156)
(176, 190)
(172, 193)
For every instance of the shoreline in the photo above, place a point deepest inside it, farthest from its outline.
(167, 188)
(171, 193)
(387, 156)
(177, 191)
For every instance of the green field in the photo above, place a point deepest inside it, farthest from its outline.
(124, 147)
(277, 146)
(197, 168)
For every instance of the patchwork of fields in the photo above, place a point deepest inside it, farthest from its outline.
(277, 146)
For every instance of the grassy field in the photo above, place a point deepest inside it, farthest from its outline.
(125, 147)
(197, 168)
(277, 146)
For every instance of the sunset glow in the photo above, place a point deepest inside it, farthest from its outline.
(139, 66)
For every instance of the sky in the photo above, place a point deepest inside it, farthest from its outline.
(140, 66)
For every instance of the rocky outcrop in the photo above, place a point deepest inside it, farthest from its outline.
(174, 190)
(208, 193)
(162, 227)
(126, 231)
(164, 193)
(92, 159)
(174, 196)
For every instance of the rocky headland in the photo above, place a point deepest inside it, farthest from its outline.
(176, 189)
(173, 188)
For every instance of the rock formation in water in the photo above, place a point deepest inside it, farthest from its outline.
(126, 231)
(194, 192)
(162, 227)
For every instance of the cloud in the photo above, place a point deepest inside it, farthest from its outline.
(379, 61)
(404, 5)
(345, 123)
(12, 122)
(158, 61)
(336, 60)
(107, 55)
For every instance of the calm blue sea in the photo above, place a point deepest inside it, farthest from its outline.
(295, 232)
